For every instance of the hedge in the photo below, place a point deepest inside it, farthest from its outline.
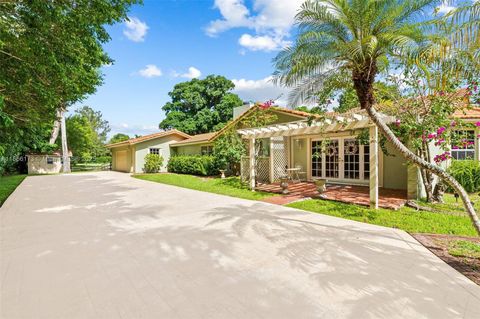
(467, 173)
(192, 164)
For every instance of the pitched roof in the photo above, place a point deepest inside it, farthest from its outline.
(144, 138)
(199, 138)
(467, 113)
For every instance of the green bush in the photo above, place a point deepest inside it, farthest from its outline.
(153, 163)
(192, 164)
(467, 173)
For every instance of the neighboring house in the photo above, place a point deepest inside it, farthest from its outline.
(45, 163)
(129, 156)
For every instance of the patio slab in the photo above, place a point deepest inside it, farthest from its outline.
(359, 195)
(105, 245)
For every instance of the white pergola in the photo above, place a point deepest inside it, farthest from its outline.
(328, 125)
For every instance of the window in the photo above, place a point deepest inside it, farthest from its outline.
(206, 150)
(366, 161)
(463, 145)
(49, 160)
(317, 159)
(155, 151)
(351, 159)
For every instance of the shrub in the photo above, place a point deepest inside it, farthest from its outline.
(467, 173)
(153, 163)
(192, 164)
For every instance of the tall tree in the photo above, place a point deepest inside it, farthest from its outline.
(119, 137)
(200, 106)
(345, 42)
(86, 134)
(50, 55)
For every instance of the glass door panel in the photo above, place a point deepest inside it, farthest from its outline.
(317, 159)
(332, 160)
(351, 157)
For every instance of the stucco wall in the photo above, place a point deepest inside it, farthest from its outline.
(37, 164)
(394, 169)
(300, 149)
(195, 149)
(163, 143)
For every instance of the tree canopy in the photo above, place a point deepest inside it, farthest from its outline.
(50, 57)
(119, 137)
(200, 106)
(86, 134)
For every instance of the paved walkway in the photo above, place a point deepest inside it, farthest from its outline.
(105, 245)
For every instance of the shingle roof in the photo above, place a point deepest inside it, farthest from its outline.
(149, 137)
(468, 113)
(199, 138)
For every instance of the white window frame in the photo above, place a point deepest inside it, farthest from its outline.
(467, 150)
(341, 158)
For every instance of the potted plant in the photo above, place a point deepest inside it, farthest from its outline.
(321, 185)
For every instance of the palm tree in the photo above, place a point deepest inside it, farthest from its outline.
(352, 41)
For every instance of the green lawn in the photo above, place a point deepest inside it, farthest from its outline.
(8, 185)
(230, 186)
(464, 248)
(410, 220)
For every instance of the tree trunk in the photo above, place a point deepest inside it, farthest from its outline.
(65, 157)
(437, 170)
(56, 126)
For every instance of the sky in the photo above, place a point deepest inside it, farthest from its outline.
(170, 41)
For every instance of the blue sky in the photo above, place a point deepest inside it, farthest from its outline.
(170, 41)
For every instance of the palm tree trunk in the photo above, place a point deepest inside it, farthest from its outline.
(56, 126)
(435, 169)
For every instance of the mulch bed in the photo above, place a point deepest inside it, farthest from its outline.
(438, 244)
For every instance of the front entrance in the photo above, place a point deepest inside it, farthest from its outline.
(340, 159)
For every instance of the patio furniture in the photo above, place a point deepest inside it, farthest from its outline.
(292, 173)
(222, 172)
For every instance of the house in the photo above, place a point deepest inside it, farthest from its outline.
(129, 156)
(311, 145)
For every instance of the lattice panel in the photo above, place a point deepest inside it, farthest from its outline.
(279, 154)
(262, 169)
(245, 168)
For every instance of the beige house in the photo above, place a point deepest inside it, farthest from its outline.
(305, 146)
(129, 156)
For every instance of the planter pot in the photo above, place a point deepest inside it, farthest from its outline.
(321, 185)
(222, 171)
(284, 185)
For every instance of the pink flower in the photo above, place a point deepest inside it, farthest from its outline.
(440, 130)
(397, 122)
(453, 124)
(432, 135)
(477, 124)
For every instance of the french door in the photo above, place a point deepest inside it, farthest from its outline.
(340, 159)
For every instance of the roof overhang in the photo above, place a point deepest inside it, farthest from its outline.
(353, 121)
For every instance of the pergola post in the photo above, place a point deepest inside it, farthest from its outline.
(252, 163)
(374, 167)
(477, 143)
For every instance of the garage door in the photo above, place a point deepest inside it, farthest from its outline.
(121, 161)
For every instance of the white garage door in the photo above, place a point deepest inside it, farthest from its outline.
(121, 161)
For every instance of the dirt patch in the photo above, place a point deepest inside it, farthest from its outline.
(439, 245)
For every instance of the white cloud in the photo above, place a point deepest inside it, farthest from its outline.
(150, 71)
(133, 129)
(445, 8)
(136, 30)
(192, 73)
(262, 43)
(271, 20)
(261, 90)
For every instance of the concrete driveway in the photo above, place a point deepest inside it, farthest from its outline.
(105, 245)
